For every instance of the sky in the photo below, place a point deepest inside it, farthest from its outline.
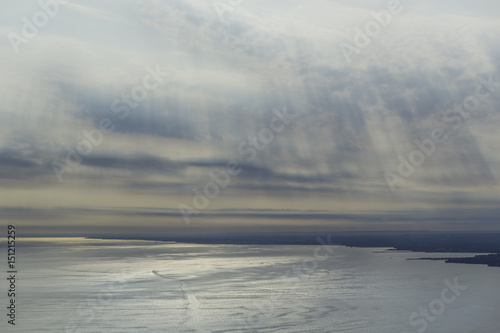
(219, 116)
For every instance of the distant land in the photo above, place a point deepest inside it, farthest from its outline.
(492, 260)
(416, 241)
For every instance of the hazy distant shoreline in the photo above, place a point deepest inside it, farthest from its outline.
(427, 242)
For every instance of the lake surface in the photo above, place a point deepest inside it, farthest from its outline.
(79, 285)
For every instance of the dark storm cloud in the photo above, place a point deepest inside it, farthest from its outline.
(135, 163)
(26, 158)
(243, 188)
(148, 163)
(157, 124)
(156, 116)
(14, 159)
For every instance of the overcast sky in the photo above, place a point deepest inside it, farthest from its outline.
(178, 88)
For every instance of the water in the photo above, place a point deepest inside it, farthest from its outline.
(77, 285)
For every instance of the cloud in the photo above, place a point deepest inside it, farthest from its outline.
(353, 119)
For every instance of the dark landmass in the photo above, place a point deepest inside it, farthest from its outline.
(417, 241)
(492, 260)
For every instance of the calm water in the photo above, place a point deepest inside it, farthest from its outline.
(137, 286)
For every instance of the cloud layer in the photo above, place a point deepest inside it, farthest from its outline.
(351, 119)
